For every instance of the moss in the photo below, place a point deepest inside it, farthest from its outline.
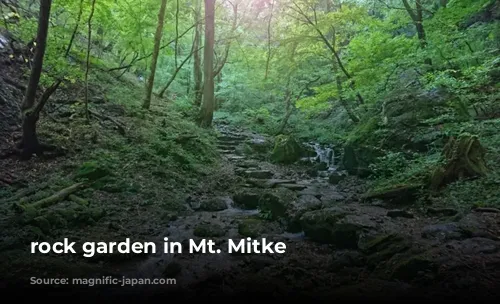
(209, 230)
(286, 150)
(251, 228)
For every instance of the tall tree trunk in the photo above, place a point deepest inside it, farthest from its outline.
(75, 30)
(156, 51)
(207, 108)
(88, 61)
(417, 18)
(198, 76)
(29, 143)
(268, 60)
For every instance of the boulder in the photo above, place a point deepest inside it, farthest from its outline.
(304, 204)
(215, 204)
(335, 226)
(286, 150)
(277, 201)
(335, 178)
(246, 199)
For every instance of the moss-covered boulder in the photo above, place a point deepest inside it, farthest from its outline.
(286, 150)
(247, 199)
(295, 211)
(383, 247)
(277, 201)
(252, 228)
(215, 204)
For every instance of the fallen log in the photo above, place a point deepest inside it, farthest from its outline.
(25, 193)
(78, 200)
(51, 200)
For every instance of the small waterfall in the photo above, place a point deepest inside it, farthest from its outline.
(324, 156)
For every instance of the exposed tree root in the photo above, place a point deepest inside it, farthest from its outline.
(51, 200)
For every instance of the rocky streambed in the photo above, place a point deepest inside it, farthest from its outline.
(336, 244)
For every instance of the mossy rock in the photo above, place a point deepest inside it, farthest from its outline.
(383, 247)
(246, 199)
(412, 267)
(286, 150)
(251, 228)
(326, 226)
(277, 201)
(209, 230)
(396, 194)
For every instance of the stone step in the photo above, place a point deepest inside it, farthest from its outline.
(269, 183)
(294, 187)
(227, 138)
(235, 157)
(258, 174)
(226, 147)
(225, 151)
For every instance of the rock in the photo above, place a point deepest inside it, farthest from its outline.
(209, 230)
(311, 191)
(251, 228)
(356, 159)
(331, 197)
(215, 204)
(322, 166)
(475, 246)
(277, 201)
(286, 150)
(442, 211)
(258, 145)
(295, 187)
(343, 259)
(271, 183)
(335, 226)
(381, 248)
(336, 178)
(442, 232)
(258, 174)
(304, 204)
(413, 267)
(487, 210)
(399, 213)
(246, 199)
(399, 194)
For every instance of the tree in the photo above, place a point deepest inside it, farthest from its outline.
(31, 111)
(156, 50)
(198, 74)
(208, 106)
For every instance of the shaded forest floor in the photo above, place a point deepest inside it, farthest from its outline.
(154, 173)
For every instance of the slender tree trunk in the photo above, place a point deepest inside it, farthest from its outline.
(268, 60)
(198, 76)
(30, 143)
(156, 51)
(207, 108)
(88, 61)
(75, 30)
(416, 16)
(41, 42)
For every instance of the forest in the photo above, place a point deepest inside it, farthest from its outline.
(363, 134)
